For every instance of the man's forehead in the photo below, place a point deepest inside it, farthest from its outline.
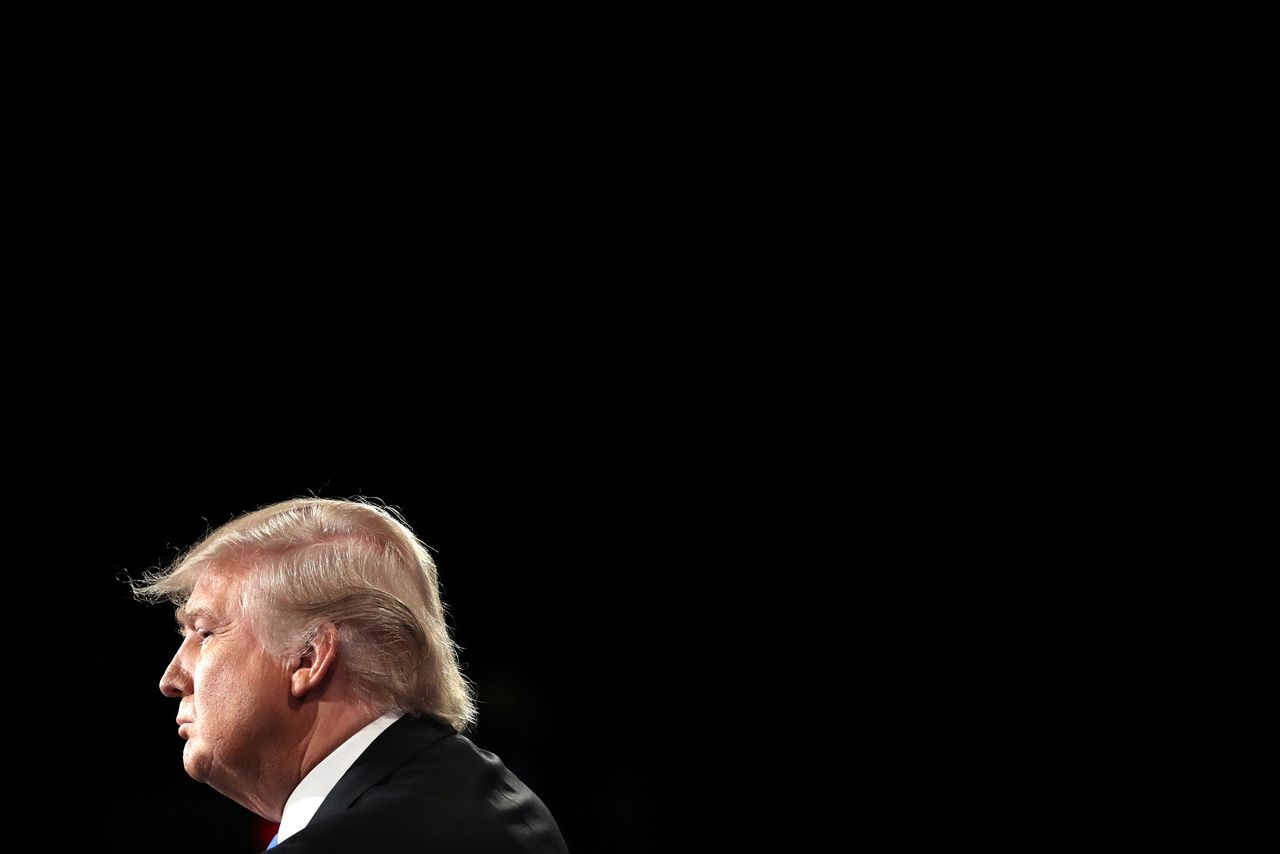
(209, 598)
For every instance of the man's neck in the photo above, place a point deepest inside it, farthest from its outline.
(333, 725)
(311, 793)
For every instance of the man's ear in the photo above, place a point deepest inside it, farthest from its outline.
(319, 657)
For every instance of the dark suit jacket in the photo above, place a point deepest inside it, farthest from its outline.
(421, 787)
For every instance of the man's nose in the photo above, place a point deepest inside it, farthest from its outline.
(176, 681)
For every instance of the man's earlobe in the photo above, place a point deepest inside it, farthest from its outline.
(303, 676)
(300, 681)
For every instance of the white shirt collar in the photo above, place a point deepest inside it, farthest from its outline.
(311, 792)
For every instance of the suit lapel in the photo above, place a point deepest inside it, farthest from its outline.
(397, 744)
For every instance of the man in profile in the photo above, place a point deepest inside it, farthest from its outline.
(319, 688)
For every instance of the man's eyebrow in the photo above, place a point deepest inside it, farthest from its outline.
(186, 615)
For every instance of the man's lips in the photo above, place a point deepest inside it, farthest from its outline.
(184, 722)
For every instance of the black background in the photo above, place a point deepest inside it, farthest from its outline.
(790, 400)
(998, 144)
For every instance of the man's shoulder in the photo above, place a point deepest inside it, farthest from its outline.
(403, 822)
(458, 787)
(440, 792)
(449, 768)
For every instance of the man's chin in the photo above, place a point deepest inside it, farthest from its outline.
(193, 764)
